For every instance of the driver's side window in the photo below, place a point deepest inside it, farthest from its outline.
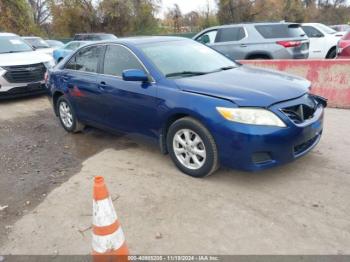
(208, 37)
(117, 59)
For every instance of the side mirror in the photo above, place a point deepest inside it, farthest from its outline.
(135, 75)
(317, 35)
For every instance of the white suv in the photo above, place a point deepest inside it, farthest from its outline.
(22, 71)
(323, 40)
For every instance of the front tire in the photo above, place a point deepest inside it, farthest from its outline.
(192, 147)
(67, 116)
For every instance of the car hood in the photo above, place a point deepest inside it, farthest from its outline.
(48, 51)
(24, 58)
(247, 86)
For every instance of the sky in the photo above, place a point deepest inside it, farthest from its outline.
(186, 6)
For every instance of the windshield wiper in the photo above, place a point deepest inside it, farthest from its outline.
(184, 73)
(10, 52)
(224, 68)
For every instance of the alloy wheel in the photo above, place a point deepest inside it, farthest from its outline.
(189, 149)
(66, 114)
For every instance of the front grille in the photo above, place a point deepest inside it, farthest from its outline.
(302, 112)
(25, 73)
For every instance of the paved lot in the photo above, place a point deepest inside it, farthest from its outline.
(301, 208)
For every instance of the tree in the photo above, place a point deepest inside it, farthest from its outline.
(16, 18)
(174, 15)
(144, 20)
(235, 11)
(72, 16)
(294, 11)
(40, 10)
(116, 16)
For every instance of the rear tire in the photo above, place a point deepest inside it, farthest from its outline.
(67, 116)
(192, 148)
(332, 53)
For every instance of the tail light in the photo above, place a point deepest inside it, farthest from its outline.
(288, 44)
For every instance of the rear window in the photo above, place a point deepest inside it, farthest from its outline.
(230, 34)
(280, 31)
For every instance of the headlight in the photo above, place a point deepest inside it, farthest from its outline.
(252, 116)
(50, 64)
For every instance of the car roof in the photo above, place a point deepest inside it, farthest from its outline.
(311, 24)
(250, 24)
(7, 34)
(31, 37)
(140, 40)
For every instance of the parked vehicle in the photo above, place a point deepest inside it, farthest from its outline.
(341, 28)
(343, 42)
(344, 53)
(257, 40)
(94, 37)
(21, 69)
(39, 44)
(67, 49)
(202, 108)
(55, 43)
(323, 40)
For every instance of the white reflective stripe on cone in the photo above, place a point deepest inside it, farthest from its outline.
(103, 213)
(103, 244)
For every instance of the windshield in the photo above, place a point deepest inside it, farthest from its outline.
(327, 29)
(13, 44)
(38, 43)
(186, 58)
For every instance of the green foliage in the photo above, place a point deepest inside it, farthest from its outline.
(64, 18)
(325, 11)
(16, 18)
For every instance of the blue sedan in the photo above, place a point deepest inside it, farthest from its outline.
(202, 108)
(60, 53)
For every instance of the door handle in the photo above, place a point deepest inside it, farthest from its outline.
(65, 78)
(102, 86)
(243, 45)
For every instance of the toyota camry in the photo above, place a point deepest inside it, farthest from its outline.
(200, 107)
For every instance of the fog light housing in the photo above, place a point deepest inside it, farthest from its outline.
(259, 158)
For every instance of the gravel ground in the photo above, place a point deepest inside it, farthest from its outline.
(300, 208)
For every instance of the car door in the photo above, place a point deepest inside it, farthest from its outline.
(129, 106)
(317, 42)
(230, 41)
(81, 78)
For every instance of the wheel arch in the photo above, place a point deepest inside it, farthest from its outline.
(55, 98)
(169, 120)
(330, 51)
(258, 54)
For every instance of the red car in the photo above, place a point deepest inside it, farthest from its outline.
(343, 46)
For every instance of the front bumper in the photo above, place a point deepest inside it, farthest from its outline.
(253, 148)
(24, 90)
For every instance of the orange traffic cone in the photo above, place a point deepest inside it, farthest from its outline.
(108, 239)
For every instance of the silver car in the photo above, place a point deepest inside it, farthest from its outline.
(257, 40)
